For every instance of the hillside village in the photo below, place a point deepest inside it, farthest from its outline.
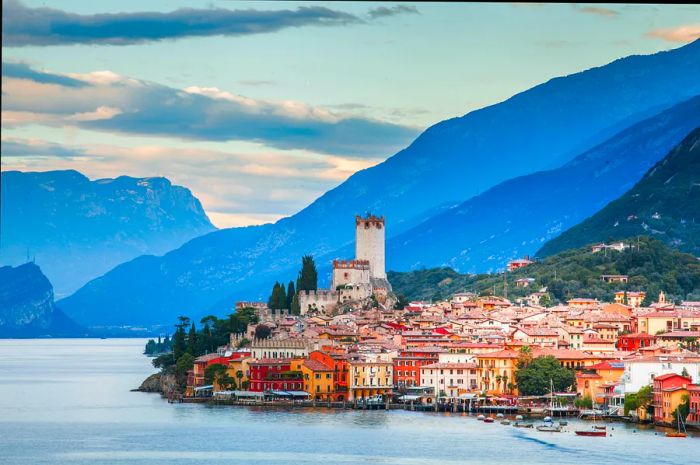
(355, 344)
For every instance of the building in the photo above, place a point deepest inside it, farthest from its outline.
(450, 379)
(694, 404)
(280, 348)
(615, 278)
(617, 246)
(358, 279)
(633, 299)
(369, 378)
(524, 282)
(635, 341)
(369, 243)
(668, 391)
(351, 279)
(578, 303)
(640, 372)
(407, 366)
(337, 360)
(668, 320)
(318, 380)
(275, 374)
(595, 381)
(519, 263)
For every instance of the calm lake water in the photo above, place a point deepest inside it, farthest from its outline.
(68, 402)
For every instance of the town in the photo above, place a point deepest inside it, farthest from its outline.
(354, 346)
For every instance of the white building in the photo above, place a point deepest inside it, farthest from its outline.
(369, 243)
(449, 378)
(281, 348)
(641, 372)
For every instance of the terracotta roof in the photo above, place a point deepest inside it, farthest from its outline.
(315, 365)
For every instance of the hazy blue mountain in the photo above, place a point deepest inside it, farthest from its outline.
(77, 229)
(664, 204)
(450, 162)
(27, 307)
(518, 216)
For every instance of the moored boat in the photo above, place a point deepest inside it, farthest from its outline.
(480, 417)
(596, 433)
(505, 422)
(676, 435)
(549, 428)
(522, 424)
(489, 420)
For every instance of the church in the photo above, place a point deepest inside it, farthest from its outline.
(354, 281)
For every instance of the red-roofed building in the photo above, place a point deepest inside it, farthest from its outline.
(668, 391)
(694, 401)
(635, 341)
(408, 364)
(274, 374)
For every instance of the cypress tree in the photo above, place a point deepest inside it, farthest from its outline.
(290, 295)
(192, 340)
(308, 276)
(295, 307)
(179, 339)
(281, 298)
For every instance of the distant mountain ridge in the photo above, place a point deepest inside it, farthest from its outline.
(664, 204)
(27, 307)
(516, 217)
(450, 162)
(78, 229)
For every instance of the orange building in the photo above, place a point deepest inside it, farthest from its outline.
(668, 390)
(597, 379)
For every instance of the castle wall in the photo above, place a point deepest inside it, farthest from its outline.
(355, 272)
(369, 243)
(323, 300)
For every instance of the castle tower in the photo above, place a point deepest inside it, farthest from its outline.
(369, 243)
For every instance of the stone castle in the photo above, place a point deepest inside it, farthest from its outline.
(354, 280)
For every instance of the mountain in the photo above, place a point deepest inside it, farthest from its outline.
(516, 217)
(78, 229)
(664, 204)
(652, 267)
(447, 164)
(27, 308)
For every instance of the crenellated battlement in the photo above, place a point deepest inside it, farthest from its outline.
(369, 221)
(351, 264)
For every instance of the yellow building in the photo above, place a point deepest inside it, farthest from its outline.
(496, 370)
(318, 380)
(671, 398)
(369, 378)
(665, 321)
(593, 381)
(239, 371)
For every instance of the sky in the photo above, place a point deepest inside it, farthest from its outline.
(261, 107)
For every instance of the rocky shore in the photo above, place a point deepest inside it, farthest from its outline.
(158, 382)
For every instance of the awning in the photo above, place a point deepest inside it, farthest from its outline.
(468, 396)
(204, 388)
(409, 397)
(289, 393)
(247, 394)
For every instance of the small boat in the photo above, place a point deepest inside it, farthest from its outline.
(547, 419)
(520, 424)
(480, 417)
(591, 433)
(679, 433)
(489, 420)
(499, 415)
(563, 422)
(518, 418)
(600, 427)
(549, 428)
(505, 422)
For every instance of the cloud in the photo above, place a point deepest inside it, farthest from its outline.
(22, 25)
(113, 103)
(44, 26)
(24, 71)
(383, 12)
(32, 148)
(682, 34)
(596, 10)
(236, 188)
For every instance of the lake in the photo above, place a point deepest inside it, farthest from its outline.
(68, 401)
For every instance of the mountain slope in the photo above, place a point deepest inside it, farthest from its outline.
(78, 229)
(530, 131)
(654, 267)
(665, 204)
(27, 308)
(517, 216)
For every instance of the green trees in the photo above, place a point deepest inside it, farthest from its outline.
(308, 276)
(182, 366)
(291, 292)
(641, 398)
(278, 298)
(179, 338)
(216, 373)
(683, 409)
(192, 340)
(534, 378)
(262, 332)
